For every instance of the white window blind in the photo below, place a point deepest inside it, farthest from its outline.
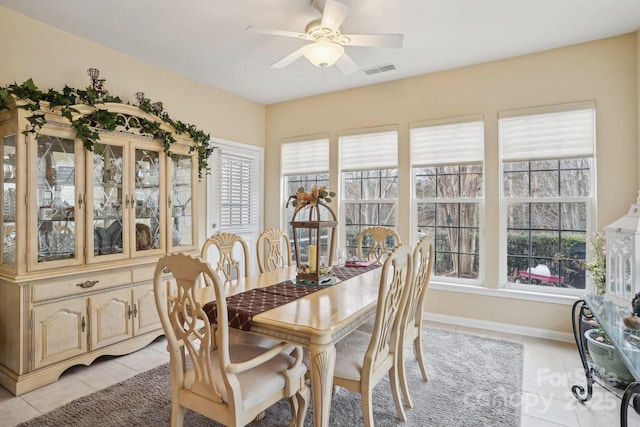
(369, 151)
(550, 135)
(237, 200)
(450, 143)
(305, 157)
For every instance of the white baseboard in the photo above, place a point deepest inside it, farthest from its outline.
(500, 327)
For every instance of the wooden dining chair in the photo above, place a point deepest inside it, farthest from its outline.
(231, 383)
(363, 359)
(227, 265)
(411, 329)
(273, 250)
(375, 243)
(229, 268)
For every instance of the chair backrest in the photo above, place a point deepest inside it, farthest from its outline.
(273, 250)
(375, 243)
(395, 283)
(423, 258)
(227, 265)
(187, 326)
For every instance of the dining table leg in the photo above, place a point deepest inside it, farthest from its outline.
(323, 362)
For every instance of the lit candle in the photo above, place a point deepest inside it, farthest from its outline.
(312, 258)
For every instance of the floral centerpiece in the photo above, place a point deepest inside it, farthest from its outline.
(315, 196)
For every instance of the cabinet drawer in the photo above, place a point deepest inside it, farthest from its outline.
(77, 285)
(143, 274)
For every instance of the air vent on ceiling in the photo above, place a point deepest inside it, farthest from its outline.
(380, 69)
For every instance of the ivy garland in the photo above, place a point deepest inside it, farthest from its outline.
(85, 125)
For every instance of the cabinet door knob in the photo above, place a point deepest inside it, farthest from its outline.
(88, 284)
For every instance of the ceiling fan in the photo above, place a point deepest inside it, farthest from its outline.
(327, 42)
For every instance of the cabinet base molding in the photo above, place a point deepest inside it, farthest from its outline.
(20, 384)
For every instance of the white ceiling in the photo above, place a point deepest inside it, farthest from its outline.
(205, 40)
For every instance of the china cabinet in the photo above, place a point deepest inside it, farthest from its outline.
(82, 232)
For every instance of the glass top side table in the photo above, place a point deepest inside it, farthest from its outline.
(625, 343)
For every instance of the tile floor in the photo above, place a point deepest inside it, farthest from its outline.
(550, 369)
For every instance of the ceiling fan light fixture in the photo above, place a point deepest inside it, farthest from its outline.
(323, 54)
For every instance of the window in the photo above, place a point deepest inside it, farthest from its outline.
(447, 159)
(547, 195)
(369, 165)
(304, 164)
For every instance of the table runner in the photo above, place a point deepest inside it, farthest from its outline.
(344, 273)
(243, 306)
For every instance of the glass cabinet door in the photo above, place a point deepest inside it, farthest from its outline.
(56, 199)
(146, 200)
(107, 197)
(8, 180)
(181, 202)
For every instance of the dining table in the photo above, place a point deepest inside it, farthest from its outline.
(317, 320)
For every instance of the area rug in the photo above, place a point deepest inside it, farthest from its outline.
(473, 381)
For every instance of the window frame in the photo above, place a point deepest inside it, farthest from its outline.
(470, 150)
(506, 202)
(318, 167)
(387, 161)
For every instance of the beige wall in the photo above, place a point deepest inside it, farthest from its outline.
(604, 71)
(53, 58)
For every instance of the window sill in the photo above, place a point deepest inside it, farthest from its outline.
(548, 298)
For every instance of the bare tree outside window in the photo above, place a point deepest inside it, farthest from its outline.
(448, 210)
(370, 198)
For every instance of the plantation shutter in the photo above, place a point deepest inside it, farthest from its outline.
(305, 157)
(237, 195)
(378, 150)
(451, 141)
(558, 132)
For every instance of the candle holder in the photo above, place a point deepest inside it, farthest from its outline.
(313, 228)
(157, 107)
(97, 84)
(140, 98)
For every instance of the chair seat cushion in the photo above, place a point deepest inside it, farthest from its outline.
(257, 383)
(350, 353)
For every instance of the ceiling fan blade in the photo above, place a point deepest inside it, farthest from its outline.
(273, 32)
(393, 41)
(333, 14)
(288, 59)
(346, 65)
